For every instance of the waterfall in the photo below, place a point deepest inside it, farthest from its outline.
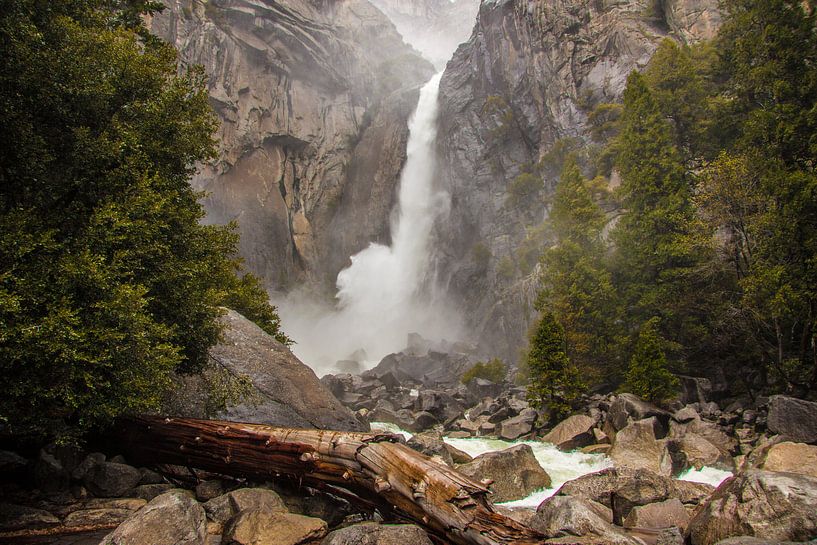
(387, 291)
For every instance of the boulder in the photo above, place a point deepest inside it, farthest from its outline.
(480, 387)
(636, 447)
(515, 472)
(49, 473)
(285, 391)
(421, 421)
(658, 515)
(627, 407)
(457, 456)
(572, 433)
(686, 414)
(516, 427)
(261, 527)
(173, 518)
(371, 533)
(749, 540)
(96, 517)
(794, 419)
(713, 433)
(15, 517)
(621, 489)
(695, 389)
(792, 458)
(149, 491)
(698, 452)
(765, 504)
(562, 516)
(431, 444)
(110, 479)
(223, 508)
(207, 490)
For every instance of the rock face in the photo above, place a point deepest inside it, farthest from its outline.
(313, 99)
(794, 419)
(285, 391)
(764, 504)
(528, 77)
(173, 518)
(515, 472)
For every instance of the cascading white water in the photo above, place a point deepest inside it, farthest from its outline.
(387, 291)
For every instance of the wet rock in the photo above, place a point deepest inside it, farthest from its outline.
(14, 517)
(260, 527)
(572, 433)
(560, 516)
(371, 533)
(636, 447)
(658, 515)
(769, 505)
(698, 452)
(109, 479)
(94, 517)
(792, 458)
(515, 472)
(794, 419)
(173, 518)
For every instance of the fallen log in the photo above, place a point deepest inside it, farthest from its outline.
(374, 466)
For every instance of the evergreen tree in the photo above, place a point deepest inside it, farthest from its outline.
(662, 247)
(108, 280)
(647, 375)
(577, 287)
(555, 383)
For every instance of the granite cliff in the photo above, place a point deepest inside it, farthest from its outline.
(313, 99)
(527, 79)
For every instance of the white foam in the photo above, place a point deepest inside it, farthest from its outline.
(391, 428)
(706, 475)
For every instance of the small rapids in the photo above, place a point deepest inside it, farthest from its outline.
(561, 466)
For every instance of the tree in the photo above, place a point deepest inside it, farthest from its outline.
(576, 285)
(647, 375)
(554, 382)
(662, 248)
(493, 370)
(108, 281)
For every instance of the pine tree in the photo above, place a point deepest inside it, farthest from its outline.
(555, 383)
(647, 376)
(576, 285)
(661, 245)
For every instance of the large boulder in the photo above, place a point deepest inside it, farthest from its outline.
(109, 479)
(224, 507)
(765, 504)
(515, 472)
(564, 516)
(285, 391)
(574, 432)
(628, 407)
(697, 452)
(794, 419)
(516, 427)
(371, 533)
(622, 489)
(261, 527)
(695, 389)
(791, 458)
(636, 447)
(662, 514)
(174, 518)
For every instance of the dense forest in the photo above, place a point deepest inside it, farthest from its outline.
(703, 260)
(109, 283)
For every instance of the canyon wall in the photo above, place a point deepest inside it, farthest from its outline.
(313, 99)
(527, 79)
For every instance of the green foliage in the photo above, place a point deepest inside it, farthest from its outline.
(493, 370)
(555, 382)
(108, 281)
(505, 269)
(524, 190)
(647, 375)
(482, 255)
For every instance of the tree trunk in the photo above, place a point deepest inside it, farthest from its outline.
(373, 466)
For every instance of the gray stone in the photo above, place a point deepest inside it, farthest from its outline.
(89, 462)
(173, 518)
(260, 527)
(572, 433)
(14, 517)
(766, 504)
(636, 447)
(628, 407)
(109, 479)
(560, 516)
(207, 490)
(49, 474)
(150, 491)
(516, 427)
(658, 515)
(791, 458)
(371, 533)
(515, 472)
(794, 419)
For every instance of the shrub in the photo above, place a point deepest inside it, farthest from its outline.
(493, 370)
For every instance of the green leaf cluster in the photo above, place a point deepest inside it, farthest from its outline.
(109, 282)
(647, 375)
(494, 370)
